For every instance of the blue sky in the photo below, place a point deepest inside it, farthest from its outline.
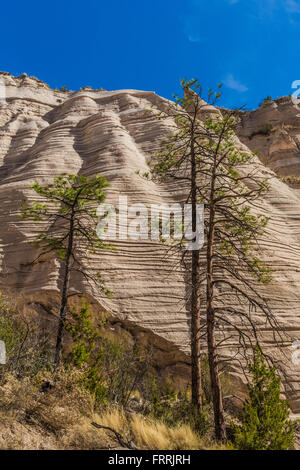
(252, 46)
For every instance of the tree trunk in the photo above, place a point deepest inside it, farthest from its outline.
(219, 419)
(195, 299)
(64, 298)
(195, 334)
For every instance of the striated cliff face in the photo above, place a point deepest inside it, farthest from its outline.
(273, 130)
(44, 133)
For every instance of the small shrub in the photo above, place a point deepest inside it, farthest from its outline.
(265, 423)
(265, 130)
(266, 100)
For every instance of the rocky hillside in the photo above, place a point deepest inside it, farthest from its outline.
(44, 133)
(273, 130)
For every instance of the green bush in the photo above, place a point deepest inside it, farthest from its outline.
(265, 423)
(265, 130)
(113, 368)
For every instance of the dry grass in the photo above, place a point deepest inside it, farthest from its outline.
(61, 418)
(33, 419)
(156, 435)
(148, 433)
(84, 436)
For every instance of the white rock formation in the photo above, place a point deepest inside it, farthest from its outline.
(44, 133)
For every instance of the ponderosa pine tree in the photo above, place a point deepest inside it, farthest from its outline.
(68, 209)
(202, 152)
(178, 160)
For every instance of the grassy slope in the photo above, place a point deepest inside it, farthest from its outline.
(60, 418)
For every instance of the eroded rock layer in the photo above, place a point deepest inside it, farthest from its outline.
(273, 130)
